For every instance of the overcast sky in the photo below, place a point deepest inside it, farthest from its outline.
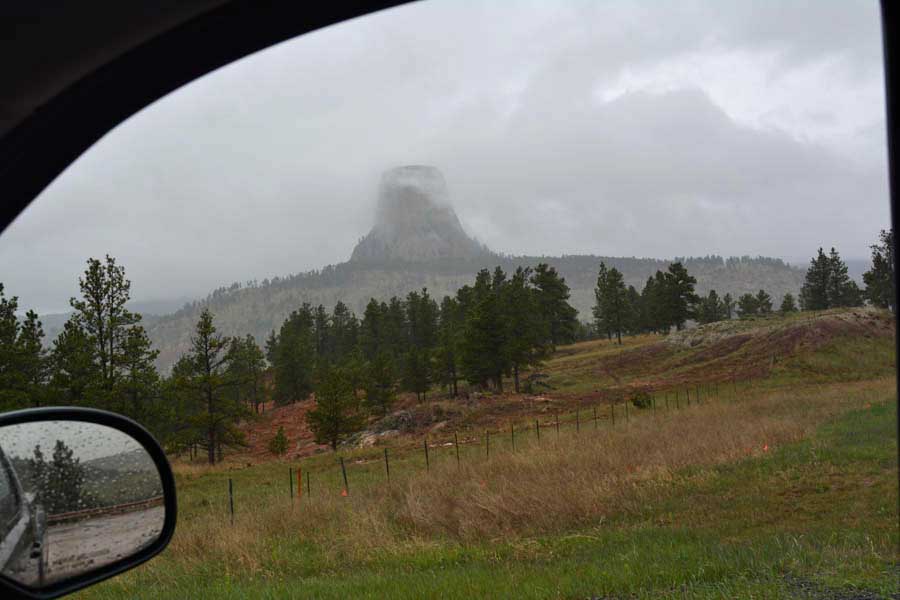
(639, 128)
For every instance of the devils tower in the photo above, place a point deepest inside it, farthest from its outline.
(414, 221)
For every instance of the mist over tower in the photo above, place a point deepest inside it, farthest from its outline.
(414, 221)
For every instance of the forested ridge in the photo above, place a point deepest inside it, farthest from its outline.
(499, 325)
(258, 307)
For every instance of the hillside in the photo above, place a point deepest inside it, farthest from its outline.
(417, 241)
(828, 346)
(780, 482)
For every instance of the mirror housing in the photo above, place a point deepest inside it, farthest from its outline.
(9, 587)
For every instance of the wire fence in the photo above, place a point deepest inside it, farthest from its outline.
(615, 413)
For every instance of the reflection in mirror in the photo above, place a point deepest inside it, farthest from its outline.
(74, 497)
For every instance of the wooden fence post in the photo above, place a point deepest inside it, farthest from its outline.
(537, 428)
(387, 466)
(427, 463)
(456, 443)
(512, 436)
(487, 443)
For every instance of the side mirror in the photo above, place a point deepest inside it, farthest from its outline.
(84, 494)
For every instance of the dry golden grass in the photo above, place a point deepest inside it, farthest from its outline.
(557, 485)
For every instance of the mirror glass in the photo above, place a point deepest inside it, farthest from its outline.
(74, 497)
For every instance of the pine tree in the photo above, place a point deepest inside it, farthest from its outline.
(337, 412)
(710, 309)
(601, 321)
(246, 365)
(728, 306)
(553, 304)
(748, 306)
(841, 290)
(33, 363)
(278, 445)
(204, 380)
(788, 304)
(138, 386)
(634, 323)
(814, 295)
(372, 336)
(102, 314)
(379, 384)
(763, 303)
(680, 296)
(75, 372)
(293, 357)
(11, 382)
(449, 334)
(483, 352)
(879, 279)
(612, 305)
(526, 332)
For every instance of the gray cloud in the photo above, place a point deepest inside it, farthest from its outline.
(621, 128)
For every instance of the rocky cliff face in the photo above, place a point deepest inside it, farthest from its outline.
(414, 221)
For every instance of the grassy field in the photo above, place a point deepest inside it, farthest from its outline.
(783, 487)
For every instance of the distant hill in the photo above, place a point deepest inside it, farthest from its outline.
(417, 241)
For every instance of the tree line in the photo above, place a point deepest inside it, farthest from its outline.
(668, 298)
(491, 331)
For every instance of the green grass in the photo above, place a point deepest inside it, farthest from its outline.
(822, 511)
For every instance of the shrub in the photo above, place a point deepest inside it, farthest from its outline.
(278, 445)
(642, 399)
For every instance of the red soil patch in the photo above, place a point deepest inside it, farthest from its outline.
(292, 417)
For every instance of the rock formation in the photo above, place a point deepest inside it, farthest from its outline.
(414, 221)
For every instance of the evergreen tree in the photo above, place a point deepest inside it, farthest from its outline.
(379, 384)
(449, 334)
(841, 290)
(680, 296)
(552, 296)
(137, 389)
(102, 314)
(612, 310)
(204, 379)
(634, 324)
(337, 413)
(344, 333)
(11, 381)
(33, 363)
(601, 321)
(763, 303)
(246, 365)
(728, 306)
(879, 279)
(372, 335)
(293, 357)
(421, 322)
(75, 372)
(710, 309)
(814, 295)
(278, 445)
(748, 306)
(526, 332)
(59, 484)
(788, 304)
(483, 352)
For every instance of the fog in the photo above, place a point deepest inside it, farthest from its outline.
(618, 128)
